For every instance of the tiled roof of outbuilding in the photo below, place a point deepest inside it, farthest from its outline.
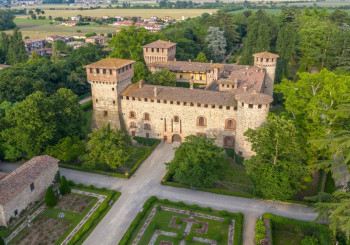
(23, 176)
(180, 94)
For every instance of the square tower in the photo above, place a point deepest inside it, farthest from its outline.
(108, 78)
(159, 51)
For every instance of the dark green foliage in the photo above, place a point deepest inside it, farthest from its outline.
(218, 237)
(64, 186)
(141, 72)
(163, 77)
(6, 20)
(260, 231)
(87, 106)
(189, 238)
(159, 208)
(329, 185)
(179, 236)
(231, 153)
(178, 221)
(196, 162)
(309, 240)
(16, 52)
(224, 213)
(57, 178)
(145, 141)
(67, 149)
(50, 197)
(227, 221)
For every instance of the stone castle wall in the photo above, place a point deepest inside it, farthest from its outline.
(26, 196)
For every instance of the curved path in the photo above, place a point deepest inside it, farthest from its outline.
(146, 182)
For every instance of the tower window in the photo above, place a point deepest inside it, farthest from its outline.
(113, 102)
(112, 89)
(146, 116)
(147, 126)
(111, 71)
(227, 108)
(98, 71)
(105, 113)
(213, 106)
(259, 106)
(132, 125)
(250, 105)
(178, 102)
(198, 104)
(230, 124)
(104, 71)
(96, 100)
(261, 60)
(201, 121)
(220, 106)
(91, 70)
(32, 187)
(132, 114)
(176, 119)
(267, 59)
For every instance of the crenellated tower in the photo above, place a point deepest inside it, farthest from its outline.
(252, 111)
(267, 61)
(108, 78)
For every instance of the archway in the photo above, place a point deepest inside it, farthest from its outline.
(176, 138)
(229, 141)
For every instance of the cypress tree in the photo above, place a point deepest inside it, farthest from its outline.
(16, 51)
(64, 186)
(50, 197)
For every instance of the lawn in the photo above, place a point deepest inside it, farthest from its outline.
(51, 229)
(286, 237)
(166, 220)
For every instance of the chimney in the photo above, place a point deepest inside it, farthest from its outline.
(245, 88)
(155, 91)
(211, 61)
(141, 83)
(191, 84)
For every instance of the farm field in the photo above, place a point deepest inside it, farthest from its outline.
(144, 13)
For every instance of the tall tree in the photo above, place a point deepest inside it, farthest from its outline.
(196, 162)
(216, 42)
(4, 46)
(141, 72)
(201, 58)
(16, 50)
(278, 167)
(163, 77)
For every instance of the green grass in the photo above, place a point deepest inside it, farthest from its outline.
(329, 185)
(136, 153)
(286, 238)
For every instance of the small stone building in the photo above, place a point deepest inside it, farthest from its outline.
(25, 185)
(159, 51)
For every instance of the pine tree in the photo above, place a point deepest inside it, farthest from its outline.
(16, 51)
(201, 58)
(64, 186)
(50, 197)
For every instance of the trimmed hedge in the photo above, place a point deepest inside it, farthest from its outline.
(232, 154)
(260, 231)
(97, 216)
(238, 239)
(322, 232)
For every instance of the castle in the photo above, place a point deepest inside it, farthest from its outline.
(233, 98)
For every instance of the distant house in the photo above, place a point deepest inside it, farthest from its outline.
(75, 18)
(105, 17)
(70, 23)
(96, 40)
(53, 38)
(124, 23)
(25, 185)
(77, 45)
(79, 37)
(167, 19)
(119, 18)
(34, 44)
(150, 26)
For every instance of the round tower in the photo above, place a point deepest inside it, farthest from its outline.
(267, 61)
(252, 111)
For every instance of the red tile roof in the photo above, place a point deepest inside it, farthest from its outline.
(160, 44)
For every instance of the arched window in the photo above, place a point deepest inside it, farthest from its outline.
(132, 114)
(147, 126)
(146, 116)
(201, 121)
(176, 119)
(230, 124)
(132, 125)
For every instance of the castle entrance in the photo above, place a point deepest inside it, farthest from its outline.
(229, 141)
(176, 138)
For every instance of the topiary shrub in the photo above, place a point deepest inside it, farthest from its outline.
(218, 237)
(189, 238)
(309, 240)
(64, 186)
(178, 221)
(50, 197)
(227, 221)
(158, 208)
(57, 177)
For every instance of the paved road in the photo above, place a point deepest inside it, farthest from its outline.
(85, 100)
(146, 183)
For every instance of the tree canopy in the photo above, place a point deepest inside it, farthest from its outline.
(163, 77)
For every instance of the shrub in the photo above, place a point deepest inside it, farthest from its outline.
(178, 221)
(57, 177)
(189, 238)
(159, 208)
(2, 242)
(87, 106)
(198, 225)
(208, 209)
(218, 237)
(181, 204)
(232, 154)
(50, 197)
(227, 221)
(309, 240)
(194, 206)
(224, 213)
(260, 231)
(64, 186)
(71, 183)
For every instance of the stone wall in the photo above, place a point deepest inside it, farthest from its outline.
(152, 55)
(163, 123)
(2, 216)
(26, 196)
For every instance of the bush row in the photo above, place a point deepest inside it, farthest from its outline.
(260, 231)
(154, 145)
(238, 239)
(97, 216)
(146, 141)
(232, 154)
(87, 106)
(320, 231)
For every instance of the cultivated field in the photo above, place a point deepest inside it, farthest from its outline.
(144, 13)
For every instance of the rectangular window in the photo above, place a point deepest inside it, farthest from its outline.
(104, 71)
(164, 101)
(227, 108)
(152, 100)
(235, 108)
(91, 70)
(191, 104)
(146, 99)
(32, 187)
(105, 113)
(178, 102)
(112, 89)
(250, 105)
(259, 106)
(220, 106)
(133, 98)
(213, 106)
(147, 135)
(15, 212)
(242, 104)
(158, 101)
(139, 99)
(240, 153)
(185, 103)
(133, 133)
(127, 97)
(111, 71)
(171, 102)
(118, 71)
(113, 102)
(198, 104)
(97, 71)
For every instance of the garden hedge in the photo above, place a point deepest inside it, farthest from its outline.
(97, 216)
(322, 232)
(238, 239)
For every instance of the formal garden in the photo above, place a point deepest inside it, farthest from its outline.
(166, 222)
(65, 220)
(272, 229)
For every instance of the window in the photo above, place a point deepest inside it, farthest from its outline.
(267, 59)
(32, 187)
(259, 106)
(220, 106)
(180, 76)
(206, 105)
(118, 71)
(147, 135)
(200, 78)
(111, 71)
(250, 105)
(202, 135)
(91, 70)
(192, 77)
(230, 124)
(105, 113)
(222, 85)
(127, 97)
(240, 153)
(97, 71)
(176, 119)
(198, 104)
(146, 116)
(133, 133)
(171, 102)
(158, 101)
(213, 106)
(96, 100)
(146, 99)
(227, 108)
(152, 49)
(147, 126)
(133, 98)
(113, 102)
(104, 71)
(112, 89)
(178, 102)
(185, 103)
(164, 101)
(242, 104)
(191, 104)
(227, 86)
(133, 125)
(15, 212)
(235, 108)
(201, 121)
(132, 114)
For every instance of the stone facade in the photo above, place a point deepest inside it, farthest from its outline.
(25, 185)
(238, 99)
(159, 51)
